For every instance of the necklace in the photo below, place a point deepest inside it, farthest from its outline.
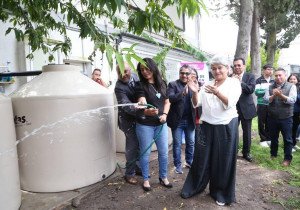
(158, 95)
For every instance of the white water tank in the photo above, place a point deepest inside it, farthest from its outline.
(65, 128)
(10, 193)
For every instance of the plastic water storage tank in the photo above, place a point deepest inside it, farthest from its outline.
(10, 193)
(66, 140)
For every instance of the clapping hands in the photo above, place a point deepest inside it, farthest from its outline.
(194, 86)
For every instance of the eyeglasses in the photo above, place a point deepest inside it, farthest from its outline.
(185, 73)
(237, 65)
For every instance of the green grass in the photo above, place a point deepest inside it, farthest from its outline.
(290, 203)
(261, 157)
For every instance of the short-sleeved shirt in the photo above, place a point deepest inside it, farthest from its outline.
(153, 97)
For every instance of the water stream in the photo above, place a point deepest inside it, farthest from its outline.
(74, 119)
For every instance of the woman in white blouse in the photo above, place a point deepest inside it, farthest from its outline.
(216, 148)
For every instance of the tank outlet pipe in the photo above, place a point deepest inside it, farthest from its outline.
(20, 74)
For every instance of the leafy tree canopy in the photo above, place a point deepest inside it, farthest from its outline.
(280, 15)
(263, 57)
(34, 20)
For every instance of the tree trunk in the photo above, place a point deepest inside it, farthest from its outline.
(245, 24)
(255, 42)
(271, 40)
(271, 46)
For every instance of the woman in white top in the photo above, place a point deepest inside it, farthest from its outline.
(216, 149)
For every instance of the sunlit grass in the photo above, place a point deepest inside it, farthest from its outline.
(290, 203)
(261, 157)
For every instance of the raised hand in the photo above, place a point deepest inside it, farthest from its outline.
(212, 89)
(194, 86)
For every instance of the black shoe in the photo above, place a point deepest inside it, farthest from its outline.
(169, 185)
(138, 172)
(248, 157)
(146, 189)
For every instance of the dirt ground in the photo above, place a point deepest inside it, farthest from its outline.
(256, 188)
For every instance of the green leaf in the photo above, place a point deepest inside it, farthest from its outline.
(138, 59)
(109, 54)
(165, 4)
(51, 58)
(119, 4)
(8, 30)
(151, 21)
(132, 46)
(120, 61)
(30, 56)
(140, 22)
(128, 60)
(113, 5)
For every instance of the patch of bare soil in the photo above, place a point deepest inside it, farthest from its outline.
(256, 188)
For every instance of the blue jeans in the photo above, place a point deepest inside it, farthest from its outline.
(189, 131)
(146, 134)
(285, 127)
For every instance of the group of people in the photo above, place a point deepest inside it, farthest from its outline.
(278, 108)
(208, 116)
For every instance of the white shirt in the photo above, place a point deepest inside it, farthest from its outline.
(214, 111)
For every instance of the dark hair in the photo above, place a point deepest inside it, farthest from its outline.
(159, 83)
(185, 66)
(267, 66)
(280, 69)
(298, 80)
(96, 70)
(242, 59)
(295, 75)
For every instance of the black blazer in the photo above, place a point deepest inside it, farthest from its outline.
(245, 103)
(174, 91)
(125, 93)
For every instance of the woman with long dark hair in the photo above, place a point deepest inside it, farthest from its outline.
(151, 122)
(294, 79)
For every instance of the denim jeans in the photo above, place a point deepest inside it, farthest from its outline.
(285, 127)
(189, 131)
(146, 134)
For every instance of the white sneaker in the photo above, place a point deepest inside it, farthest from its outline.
(293, 150)
(264, 144)
(220, 203)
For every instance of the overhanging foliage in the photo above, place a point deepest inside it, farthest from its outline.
(34, 20)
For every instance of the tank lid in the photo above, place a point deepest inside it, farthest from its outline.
(60, 81)
(60, 67)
